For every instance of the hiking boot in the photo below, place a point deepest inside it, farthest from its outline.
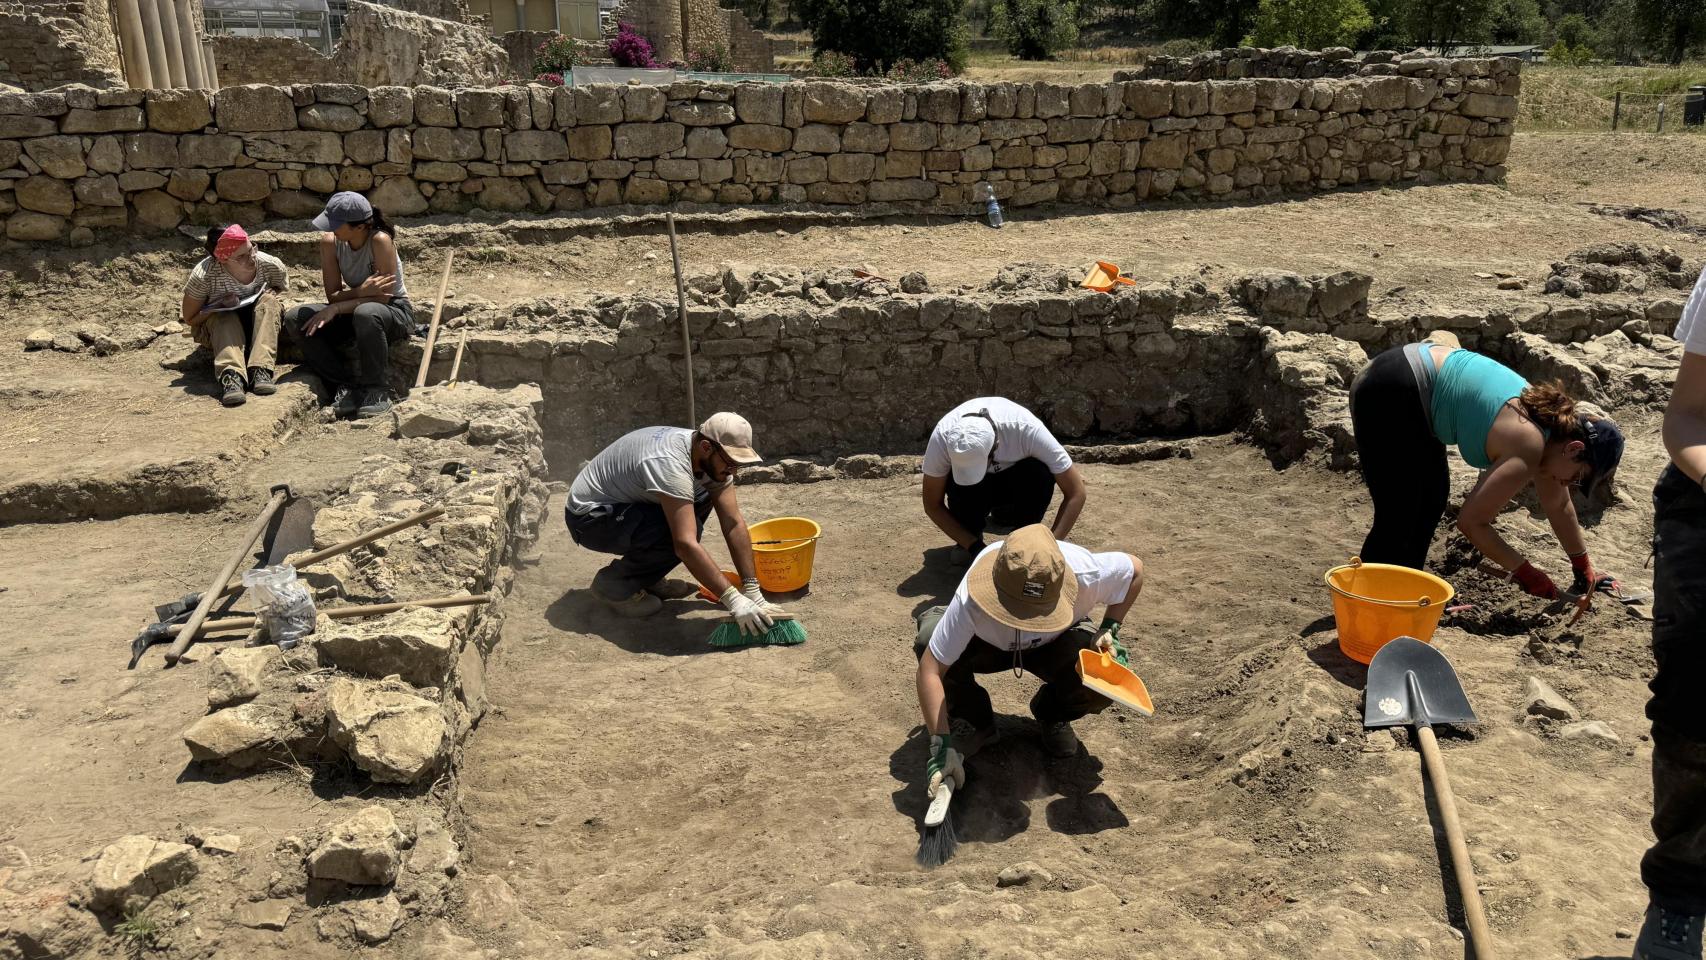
(968, 739)
(1669, 935)
(344, 402)
(641, 604)
(373, 403)
(260, 382)
(672, 589)
(1059, 741)
(231, 389)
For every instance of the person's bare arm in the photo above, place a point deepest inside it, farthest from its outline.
(735, 533)
(331, 277)
(932, 698)
(684, 530)
(1685, 418)
(1073, 493)
(1118, 611)
(936, 508)
(1482, 506)
(1560, 511)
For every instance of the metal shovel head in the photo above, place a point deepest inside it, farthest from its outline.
(1410, 682)
(291, 531)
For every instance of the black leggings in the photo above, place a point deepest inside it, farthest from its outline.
(1403, 463)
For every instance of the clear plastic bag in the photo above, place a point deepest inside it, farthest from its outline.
(285, 606)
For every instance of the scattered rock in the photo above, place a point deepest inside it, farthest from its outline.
(1513, 283)
(420, 417)
(1379, 741)
(236, 735)
(442, 942)
(373, 921)
(11, 856)
(235, 674)
(417, 644)
(1020, 874)
(1595, 730)
(365, 850)
(40, 338)
(395, 735)
(140, 867)
(222, 843)
(1543, 701)
(266, 915)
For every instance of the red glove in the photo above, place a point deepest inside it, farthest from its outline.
(1535, 582)
(1584, 581)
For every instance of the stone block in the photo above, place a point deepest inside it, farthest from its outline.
(1540, 700)
(189, 184)
(645, 190)
(150, 151)
(390, 106)
(851, 167)
(157, 210)
(242, 186)
(114, 120)
(234, 734)
(525, 146)
(817, 138)
(138, 868)
(100, 191)
(131, 181)
(1232, 96)
(912, 136)
(707, 143)
(435, 107)
(504, 193)
(365, 147)
(45, 195)
(679, 170)
(702, 113)
(31, 226)
(60, 157)
(20, 104)
(13, 127)
(1190, 99)
(643, 104)
(1149, 98)
(295, 146)
(105, 155)
(638, 140)
(254, 107)
(365, 850)
(759, 103)
(1086, 100)
(836, 103)
(480, 108)
(599, 104)
(398, 196)
(296, 205)
(235, 674)
(211, 150)
(1385, 93)
(447, 143)
(1165, 152)
(395, 735)
(940, 103)
(867, 138)
(330, 116)
(803, 170)
(759, 136)
(417, 644)
(886, 104)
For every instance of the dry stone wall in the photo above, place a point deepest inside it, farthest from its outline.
(47, 43)
(1239, 63)
(150, 160)
(380, 45)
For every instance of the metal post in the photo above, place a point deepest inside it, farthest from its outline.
(1616, 111)
(1661, 116)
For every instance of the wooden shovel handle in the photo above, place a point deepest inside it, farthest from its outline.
(1479, 936)
(186, 635)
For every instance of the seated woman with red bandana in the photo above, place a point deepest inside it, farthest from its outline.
(232, 306)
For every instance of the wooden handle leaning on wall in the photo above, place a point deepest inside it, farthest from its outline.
(432, 330)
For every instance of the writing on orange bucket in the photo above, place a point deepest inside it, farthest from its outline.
(1375, 603)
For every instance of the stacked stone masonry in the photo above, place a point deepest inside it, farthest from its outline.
(1240, 63)
(831, 363)
(676, 27)
(380, 45)
(46, 43)
(149, 160)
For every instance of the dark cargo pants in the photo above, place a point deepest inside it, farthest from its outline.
(1015, 497)
(1674, 870)
(1062, 697)
(638, 533)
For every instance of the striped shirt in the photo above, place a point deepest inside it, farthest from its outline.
(209, 282)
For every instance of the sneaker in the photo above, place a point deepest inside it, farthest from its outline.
(1059, 740)
(344, 402)
(260, 382)
(968, 739)
(231, 387)
(672, 589)
(1669, 935)
(641, 604)
(373, 403)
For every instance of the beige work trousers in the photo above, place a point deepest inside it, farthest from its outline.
(235, 349)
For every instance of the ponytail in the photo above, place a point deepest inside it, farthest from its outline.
(1553, 410)
(380, 224)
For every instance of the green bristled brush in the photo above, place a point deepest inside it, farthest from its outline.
(784, 632)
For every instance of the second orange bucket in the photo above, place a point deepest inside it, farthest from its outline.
(1375, 603)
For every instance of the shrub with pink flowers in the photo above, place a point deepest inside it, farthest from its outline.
(919, 71)
(710, 58)
(557, 55)
(629, 49)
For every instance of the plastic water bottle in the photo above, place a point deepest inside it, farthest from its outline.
(986, 193)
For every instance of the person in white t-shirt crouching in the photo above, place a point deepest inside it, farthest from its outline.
(989, 460)
(1024, 605)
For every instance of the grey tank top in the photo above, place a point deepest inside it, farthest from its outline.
(355, 266)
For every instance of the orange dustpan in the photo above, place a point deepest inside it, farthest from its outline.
(1103, 674)
(1104, 276)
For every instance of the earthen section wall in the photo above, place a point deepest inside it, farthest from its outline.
(152, 160)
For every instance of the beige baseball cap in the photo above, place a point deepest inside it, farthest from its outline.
(1026, 583)
(731, 432)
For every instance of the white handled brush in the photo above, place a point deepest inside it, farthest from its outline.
(936, 842)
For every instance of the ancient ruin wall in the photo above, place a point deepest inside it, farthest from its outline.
(1238, 63)
(46, 43)
(151, 160)
(380, 45)
(245, 60)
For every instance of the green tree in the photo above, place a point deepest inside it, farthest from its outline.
(1672, 27)
(1620, 31)
(1391, 29)
(1310, 24)
(877, 33)
(1574, 31)
(1518, 21)
(1449, 24)
(1034, 29)
(1224, 22)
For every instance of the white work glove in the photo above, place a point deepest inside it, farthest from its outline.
(752, 592)
(751, 617)
(945, 764)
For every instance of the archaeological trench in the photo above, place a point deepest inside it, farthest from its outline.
(843, 372)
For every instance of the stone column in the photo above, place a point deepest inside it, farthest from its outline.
(191, 43)
(174, 46)
(159, 76)
(521, 14)
(210, 66)
(130, 34)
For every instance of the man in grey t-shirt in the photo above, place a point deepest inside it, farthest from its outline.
(645, 498)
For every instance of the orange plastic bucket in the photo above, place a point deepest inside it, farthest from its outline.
(1374, 603)
(785, 566)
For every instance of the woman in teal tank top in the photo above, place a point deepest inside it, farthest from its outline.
(1411, 402)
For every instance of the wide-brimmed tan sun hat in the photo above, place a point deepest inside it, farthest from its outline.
(1025, 584)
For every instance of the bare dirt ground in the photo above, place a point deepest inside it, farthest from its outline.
(642, 795)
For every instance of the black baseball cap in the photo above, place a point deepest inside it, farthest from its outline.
(1604, 440)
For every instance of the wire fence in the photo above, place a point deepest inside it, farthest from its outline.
(1559, 102)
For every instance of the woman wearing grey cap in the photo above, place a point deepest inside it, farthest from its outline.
(366, 305)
